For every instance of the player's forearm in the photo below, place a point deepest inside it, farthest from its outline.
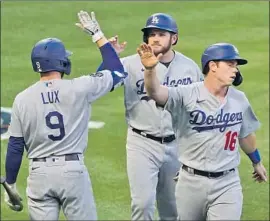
(248, 145)
(101, 67)
(14, 158)
(153, 87)
(110, 59)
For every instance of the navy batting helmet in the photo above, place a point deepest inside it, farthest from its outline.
(223, 52)
(50, 55)
(160, 21)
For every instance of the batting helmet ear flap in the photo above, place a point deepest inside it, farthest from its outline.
(238, 78)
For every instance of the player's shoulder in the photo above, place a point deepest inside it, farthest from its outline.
(179, 57)
(130, 58)
(237, 94)
(194, 87)
(26, 93)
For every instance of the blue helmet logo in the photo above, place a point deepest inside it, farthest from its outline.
(159, 21)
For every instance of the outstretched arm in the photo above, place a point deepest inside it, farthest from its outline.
(154, 89)
(90, 25)
(118, 47)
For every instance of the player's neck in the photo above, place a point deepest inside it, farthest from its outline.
(215, 88)
(52, 75)
(167, 57)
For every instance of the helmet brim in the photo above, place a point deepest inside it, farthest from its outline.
(159, 28)
(241, 61)
(68, 53)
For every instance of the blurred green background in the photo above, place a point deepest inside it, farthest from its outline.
(245, 24)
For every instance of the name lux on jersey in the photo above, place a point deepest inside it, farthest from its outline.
(50, 97)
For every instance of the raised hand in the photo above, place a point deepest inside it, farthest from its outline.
(90, 25)
(148, 59)
(116, 45)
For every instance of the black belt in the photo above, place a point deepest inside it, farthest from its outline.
(68, 157)
(205, 173)
(167, 139)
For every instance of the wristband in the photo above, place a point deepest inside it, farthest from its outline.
(97, 36)
(254, 156)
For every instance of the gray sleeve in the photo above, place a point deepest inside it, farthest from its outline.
(15, 128)
(178, 98)
(200, 76)
(175, 99)
(250, 122)
(95, 85)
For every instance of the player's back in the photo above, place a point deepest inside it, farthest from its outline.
(54, 116)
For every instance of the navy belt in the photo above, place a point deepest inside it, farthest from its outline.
(205, 173)
(68, 157)
(167, 139)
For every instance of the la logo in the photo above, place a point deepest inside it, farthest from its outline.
(155, 20)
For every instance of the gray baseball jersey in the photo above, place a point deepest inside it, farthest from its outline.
(141, 111)
(151, 180)
(53, 116)
(208, 130)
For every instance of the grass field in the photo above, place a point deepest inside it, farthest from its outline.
(245, 24)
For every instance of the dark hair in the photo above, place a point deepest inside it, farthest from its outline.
(206, 67)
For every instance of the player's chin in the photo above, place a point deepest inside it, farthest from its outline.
(230, 82)
(157, 49)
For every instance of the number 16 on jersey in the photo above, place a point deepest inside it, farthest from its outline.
(230, 140)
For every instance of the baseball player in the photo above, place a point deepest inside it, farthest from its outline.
(211, 120)
(50, 119)
(152, 156)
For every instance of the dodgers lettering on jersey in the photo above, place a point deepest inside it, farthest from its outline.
(207, 130)
(141, 111)
(62, 109)
(175, 82)
(167, 82)
(210, 122)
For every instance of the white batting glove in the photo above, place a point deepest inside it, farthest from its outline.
(90, 25)
(7, 200)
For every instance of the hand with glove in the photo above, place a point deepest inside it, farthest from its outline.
(90, 25)
(15, 207)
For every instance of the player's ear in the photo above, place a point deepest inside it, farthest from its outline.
(212, 66)
(174, 39)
